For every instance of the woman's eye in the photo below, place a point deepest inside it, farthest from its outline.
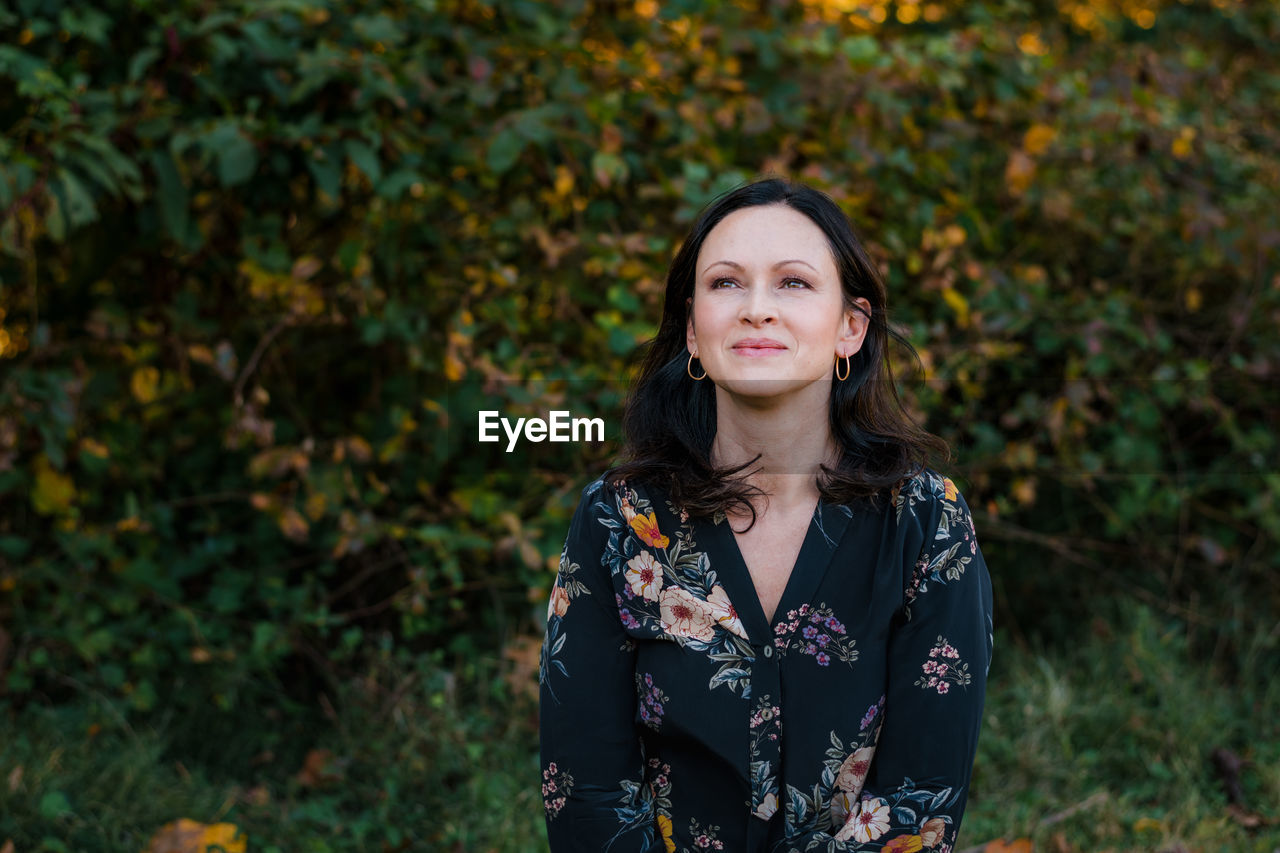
(722, 282)
(798, 283)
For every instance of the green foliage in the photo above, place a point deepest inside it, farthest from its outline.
(410, 759)
(1076, 743)
(1110, 743)
(263, 264)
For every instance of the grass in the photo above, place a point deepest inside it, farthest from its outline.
(1104, 746)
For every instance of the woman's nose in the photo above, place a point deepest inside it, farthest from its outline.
(759, 306)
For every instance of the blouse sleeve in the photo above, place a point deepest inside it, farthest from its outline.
(593, 786)
(939, 654)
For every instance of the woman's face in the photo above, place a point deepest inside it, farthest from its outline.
(767, 316)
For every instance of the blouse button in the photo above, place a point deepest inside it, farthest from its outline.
(768, 651)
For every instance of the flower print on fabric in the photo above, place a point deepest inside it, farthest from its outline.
(827, 805)
(628, 621)
(815, 632)
(646, 806)
(644, 575)
(903, 844)
(765, 729)
(686, 616)
(646, 527)
(868, 823)
(668, 587)
(853, 771)
(932, 832)
(704, 838)
(918, 490)
(665, 827)
(556, 786)
(567, 587)
(687, 689)
(650, 699)
(558, 605)
(723, 611)
(943, 668)
(955, 545)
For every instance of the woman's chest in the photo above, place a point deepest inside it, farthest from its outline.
(770, 549)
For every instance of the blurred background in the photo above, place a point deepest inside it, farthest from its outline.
(262, 263)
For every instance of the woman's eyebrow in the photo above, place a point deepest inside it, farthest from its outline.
(739, 267)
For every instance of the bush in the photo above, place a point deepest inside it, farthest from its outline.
(266, 261)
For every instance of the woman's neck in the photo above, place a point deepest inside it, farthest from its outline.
(792, 441)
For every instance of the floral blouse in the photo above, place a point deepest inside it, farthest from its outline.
(675, 716)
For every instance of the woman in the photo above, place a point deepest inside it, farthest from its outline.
(771, 627)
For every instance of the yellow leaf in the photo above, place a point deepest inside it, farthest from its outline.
(1019, 172)
(189, 836)
(145, 382)
(54, 491)
(1194, 300)
(1032, 45)
(453, 368)
(316, 504)
(294, 525)
(564, 181)
(958, 304)
(94, 448)
(1037, 139)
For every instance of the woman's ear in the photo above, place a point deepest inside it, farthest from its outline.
(690, 337)
(854, 328)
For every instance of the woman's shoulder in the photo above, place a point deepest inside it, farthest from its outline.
(925, 497)
(607, 495)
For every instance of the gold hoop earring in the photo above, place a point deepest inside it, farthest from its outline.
(688, 368)
(846, 368)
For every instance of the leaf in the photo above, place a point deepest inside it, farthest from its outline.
(293, 525)
(80, 207)
(140, 62)
(54, 804)
(172, 199)
(54, 491)
(319, 768)
(365, 159)
(504, 150)
(237, 156)
(188, 836)
(145, 384)
(323, 164)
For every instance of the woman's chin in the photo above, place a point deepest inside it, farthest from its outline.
(762, 388)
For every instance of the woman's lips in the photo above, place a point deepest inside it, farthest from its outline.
(755, 347)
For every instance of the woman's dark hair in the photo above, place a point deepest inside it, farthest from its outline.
(670, 420)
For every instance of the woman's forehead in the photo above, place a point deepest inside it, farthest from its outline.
(766, 235)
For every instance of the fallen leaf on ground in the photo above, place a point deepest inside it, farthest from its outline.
(1246, 818)
(1061, 845)
(319, 768)
(1017, 845)
(190, 836)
